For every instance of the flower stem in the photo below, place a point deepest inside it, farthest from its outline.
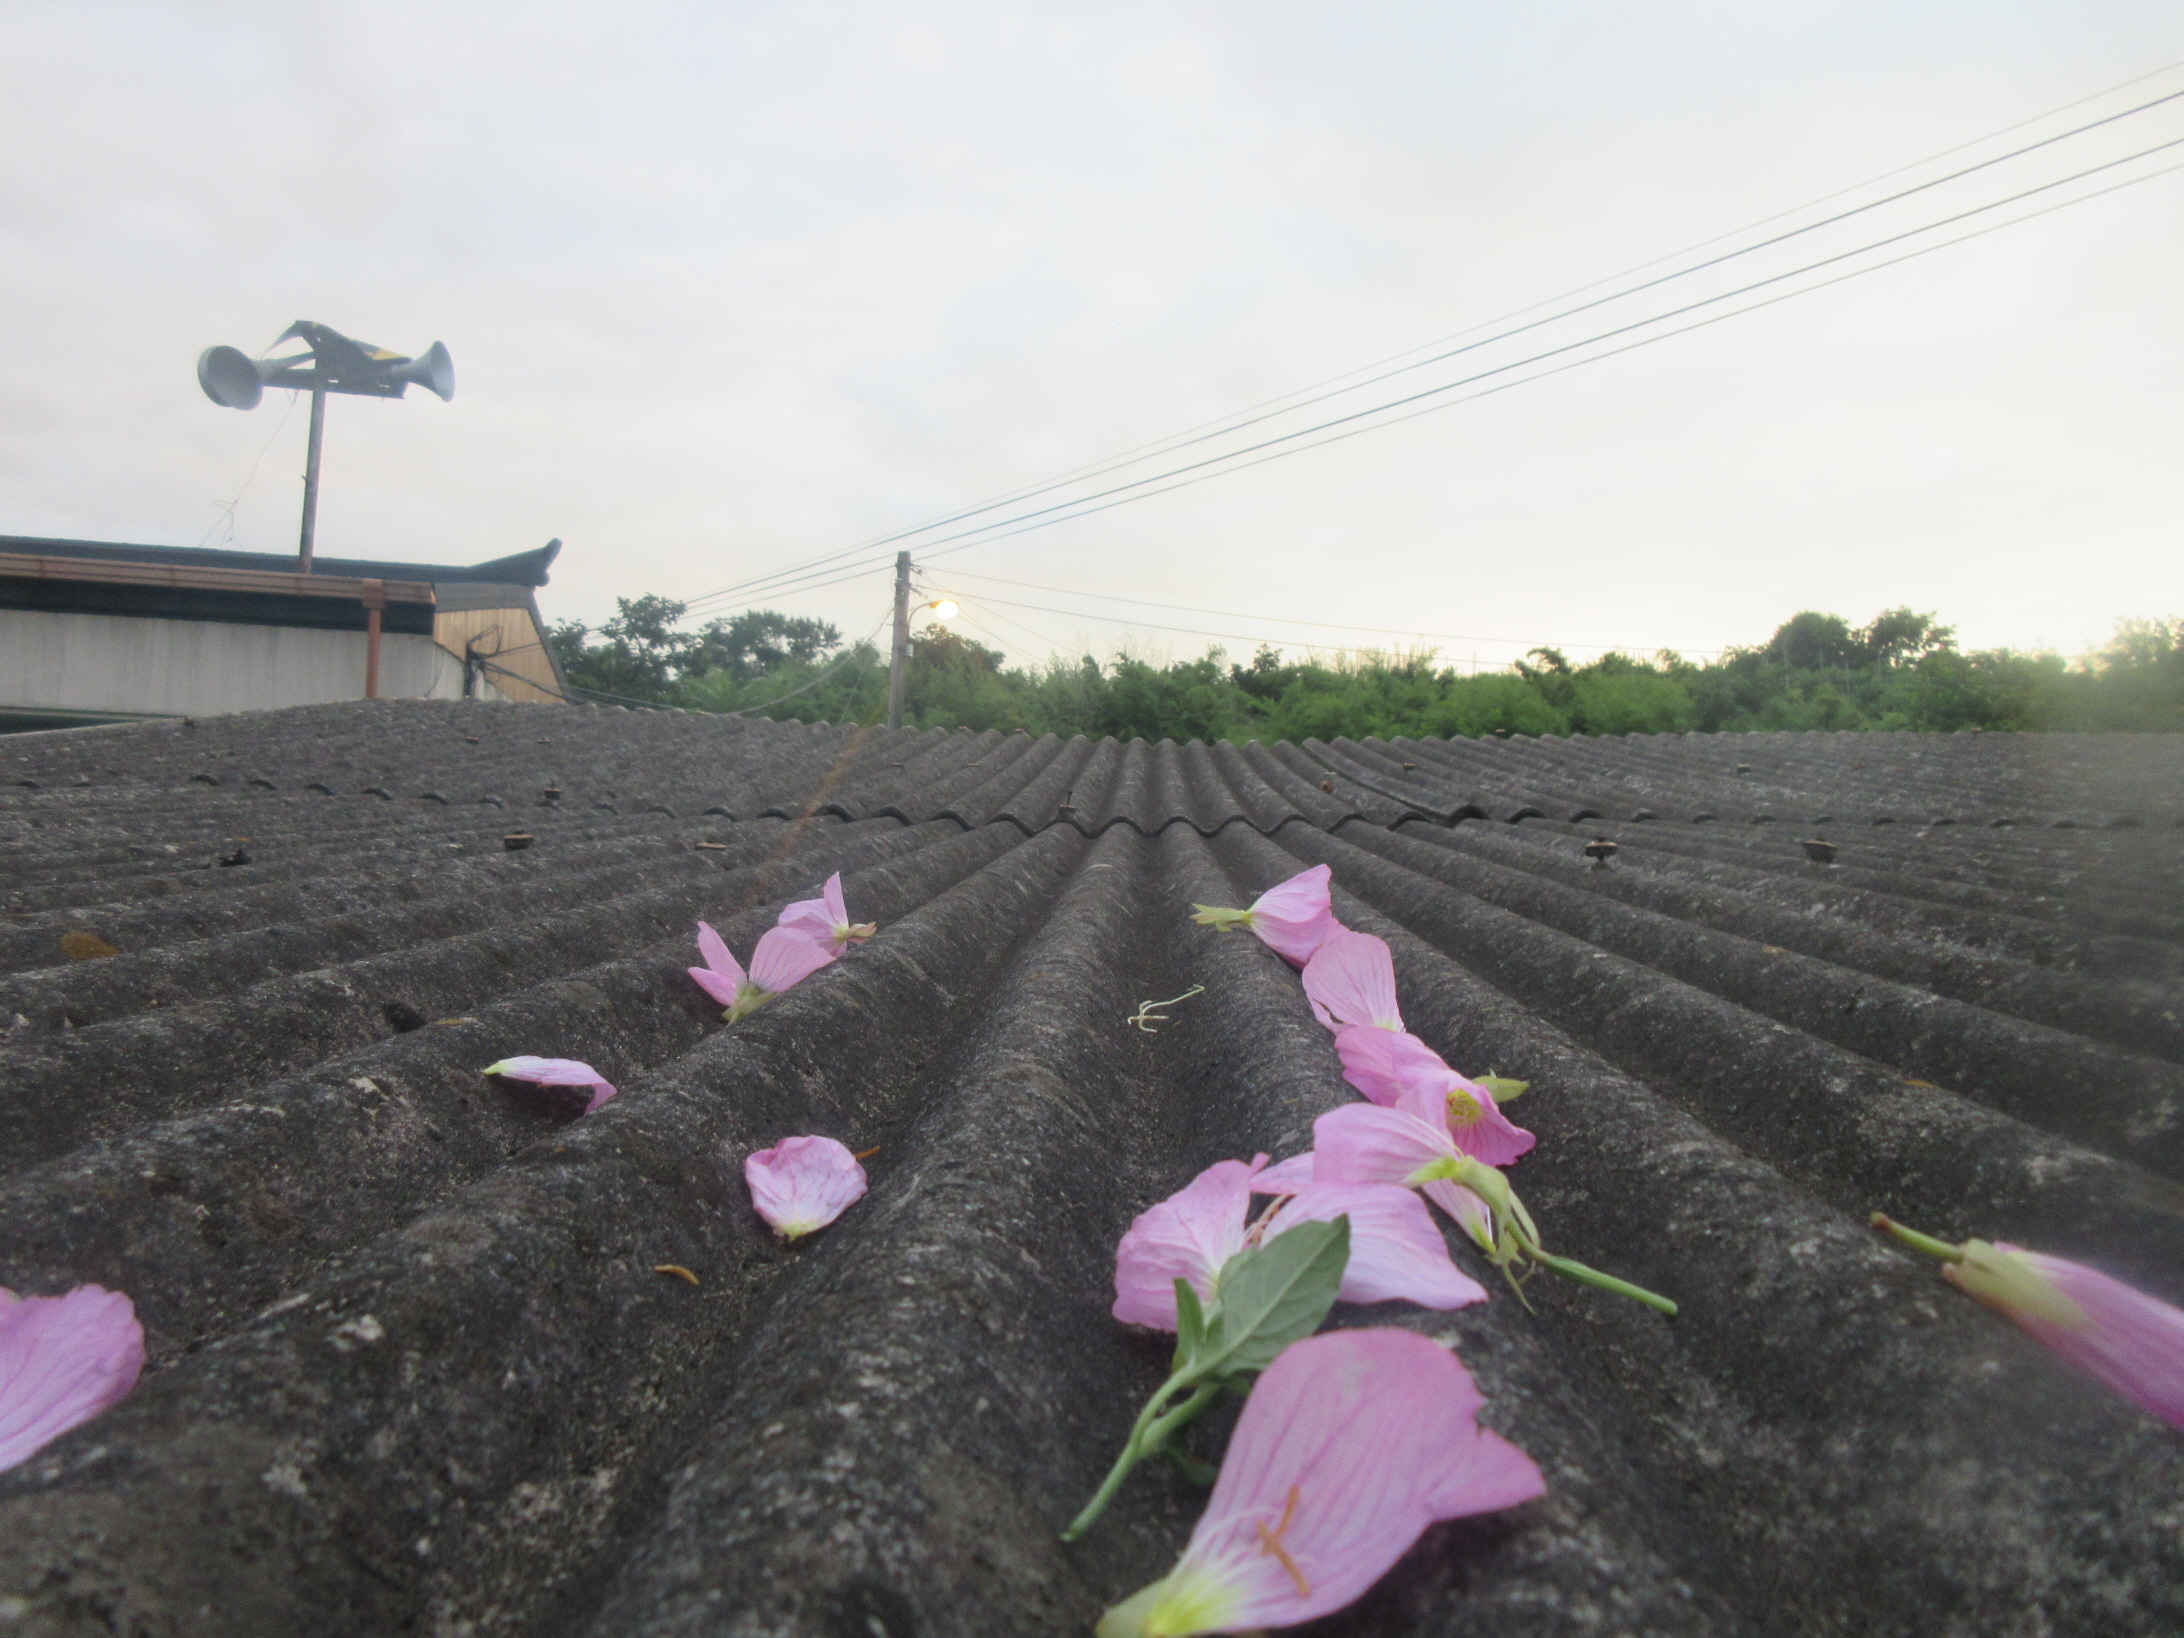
(1571, 1269)
(1917, 1241)
(1147, 1435)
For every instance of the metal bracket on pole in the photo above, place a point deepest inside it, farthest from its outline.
(899, 665)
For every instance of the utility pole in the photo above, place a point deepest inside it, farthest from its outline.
(310, 480)
(898, 667)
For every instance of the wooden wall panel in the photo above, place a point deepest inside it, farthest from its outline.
(512, 641)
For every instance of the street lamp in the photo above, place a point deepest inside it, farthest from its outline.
(330, 362)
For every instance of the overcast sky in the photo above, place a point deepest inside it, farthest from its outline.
(732, 286)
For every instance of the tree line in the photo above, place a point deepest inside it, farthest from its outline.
(1902, 670)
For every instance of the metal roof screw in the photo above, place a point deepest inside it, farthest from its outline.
(517, 841)
(1327, 786)
(1600, 850)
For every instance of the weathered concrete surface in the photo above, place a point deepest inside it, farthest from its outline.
(414, 1372)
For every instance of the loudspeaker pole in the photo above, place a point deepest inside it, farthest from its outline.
(898, 667)
(310, 480)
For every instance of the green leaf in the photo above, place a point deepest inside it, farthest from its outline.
(1190, 1325)
(1273, 1295)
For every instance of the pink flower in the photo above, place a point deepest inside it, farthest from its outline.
(1365, 1143)
(63, 1360)
(1384, 1064)
(1291, 918)
(1396, 1254)
(554, 1072)
(784, 956)
(1350, 1445)
(1351, 980)
(803, 1183)
(2126, 1338)
(826, 918)
(1190, 1236)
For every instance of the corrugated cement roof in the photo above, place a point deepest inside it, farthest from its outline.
(413, 1370)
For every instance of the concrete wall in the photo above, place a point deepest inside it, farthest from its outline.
(142, 667)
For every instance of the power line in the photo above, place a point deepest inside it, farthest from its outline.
(1079, 506)
(986, 536)
(1666, 278)
(1232, 423)
(1643, 341)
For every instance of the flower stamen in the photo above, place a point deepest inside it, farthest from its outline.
(1270, 1543)
(1147, 1016)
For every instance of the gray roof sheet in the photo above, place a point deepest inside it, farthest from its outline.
(413, 1370)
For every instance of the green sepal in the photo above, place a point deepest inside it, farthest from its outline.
(1199, 1473)
(1501, 1087)
(1190, 1326)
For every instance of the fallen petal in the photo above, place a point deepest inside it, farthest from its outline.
(2132, 1342)
(1351, 980)
(1350, 1445)
(786, 956)
(554, 1072)
(1188, 1236)
(1294, 918)
(803, 1183)
(1396, 1253)
(63, 1360)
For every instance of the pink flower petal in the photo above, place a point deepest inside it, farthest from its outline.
(1285, 1178)
(713, 950)
(720, 988)
(803, 1183)
(787, 956)
(1351, 980)
(63, 1360)
(1364, 1143)
(1294, 917)
(1396, 1254)
(554, 1072)
(1381, 1062)
(1471, 1214)
(2127, 1339)
(1350, 1445)
(721, 977)
(826, 918)
(1188, 1236)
